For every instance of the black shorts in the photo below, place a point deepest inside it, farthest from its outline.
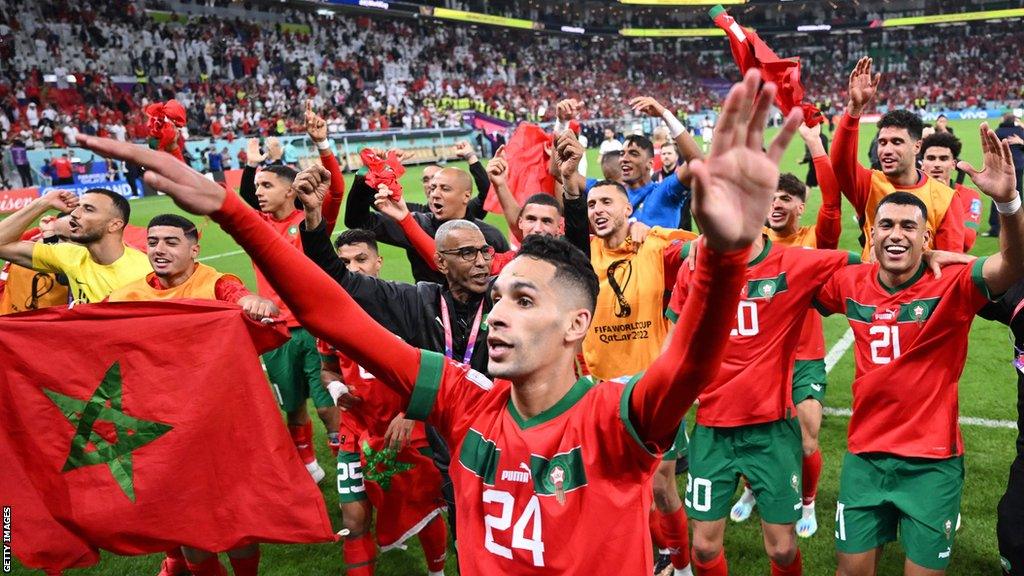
(1010, 525)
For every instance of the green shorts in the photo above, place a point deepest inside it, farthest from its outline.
(808, 381)
(881, 496)
(350, 477)
(681, 446)
(294, 372)
(768, 455)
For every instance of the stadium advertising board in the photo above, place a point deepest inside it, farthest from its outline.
(120, 186)
(15, 199)
(671, 32)
(478, 18)
(682, 2)
(962, 17)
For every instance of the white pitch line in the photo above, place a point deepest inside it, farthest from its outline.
(838, 350)
(221, 255)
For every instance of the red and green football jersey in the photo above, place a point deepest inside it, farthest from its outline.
(535, 495)
(288, 228)
(754, 382)
(911, 345)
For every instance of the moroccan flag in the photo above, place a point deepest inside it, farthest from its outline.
(527, 166)
(139, 426)
(749, 51)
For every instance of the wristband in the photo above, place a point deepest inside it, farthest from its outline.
(336, 389)
(1008, 208)
(675, 127)
(323, 145)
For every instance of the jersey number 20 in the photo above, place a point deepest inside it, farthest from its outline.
(502, 522)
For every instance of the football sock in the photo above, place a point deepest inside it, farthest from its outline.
(794, 568)
(716, 567)
(248, 566)
(209, 567)
(677, 539)
(434, 538)
(811, 474)
(359, 555)
(657, 536)
(302, 437)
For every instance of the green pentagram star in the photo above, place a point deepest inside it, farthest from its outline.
(382, 465)
(89, 446)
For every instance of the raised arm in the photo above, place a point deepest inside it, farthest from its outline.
(253, 158)
(497, 173)
(317, 301)
(568, 152)
(998, 180)
(397, 210)
(685, 144)
(732, 193)
(475, 208)
(854, 179)
(12, 247)
(316, 128)
(829, 224)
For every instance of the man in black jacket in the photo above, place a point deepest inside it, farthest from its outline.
(1010, 522)
(448, 198)
(449, 318)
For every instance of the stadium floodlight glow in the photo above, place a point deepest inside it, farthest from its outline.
(994, 15)
(814, 28)
(573, 30)
(682, 2)
(671, 32)
(478, 18)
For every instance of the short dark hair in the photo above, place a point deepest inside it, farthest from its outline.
(942, 140)
(282, 171)
(640, 141)
(356, 236)
(176, 221)
(904, 199)
(571, 265)
(120, 202)
(903, 119)
(543, 199)
(792, 185)
(613, 184)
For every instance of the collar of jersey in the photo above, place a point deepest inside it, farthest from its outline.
(763, 254)
(568, 401)
(910, 282)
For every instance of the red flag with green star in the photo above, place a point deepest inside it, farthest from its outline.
(137, 427)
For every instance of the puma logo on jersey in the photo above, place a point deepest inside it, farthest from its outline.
(946, 553)
(887, 314)
(517, 475)
(816, 387)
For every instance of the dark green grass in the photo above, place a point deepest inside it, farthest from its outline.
(986, 390)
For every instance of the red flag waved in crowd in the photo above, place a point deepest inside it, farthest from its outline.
(749, 51)
(145, 443)
(527, 157)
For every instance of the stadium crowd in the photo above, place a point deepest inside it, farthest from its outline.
(528, 391)
(247, 78)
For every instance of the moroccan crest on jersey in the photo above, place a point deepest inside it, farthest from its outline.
(766, 288)
(560, 474)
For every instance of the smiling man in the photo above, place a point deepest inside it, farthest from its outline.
(97, 261)
(903, 472)
(173, 243)
(553, 473)
(899, 140)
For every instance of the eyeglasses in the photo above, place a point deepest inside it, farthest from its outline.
(468, 253)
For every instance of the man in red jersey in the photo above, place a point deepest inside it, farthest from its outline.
(294, 368)
(384, 460)
(903, 473)
(784, 229)
(588, 451)
(939, 154)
